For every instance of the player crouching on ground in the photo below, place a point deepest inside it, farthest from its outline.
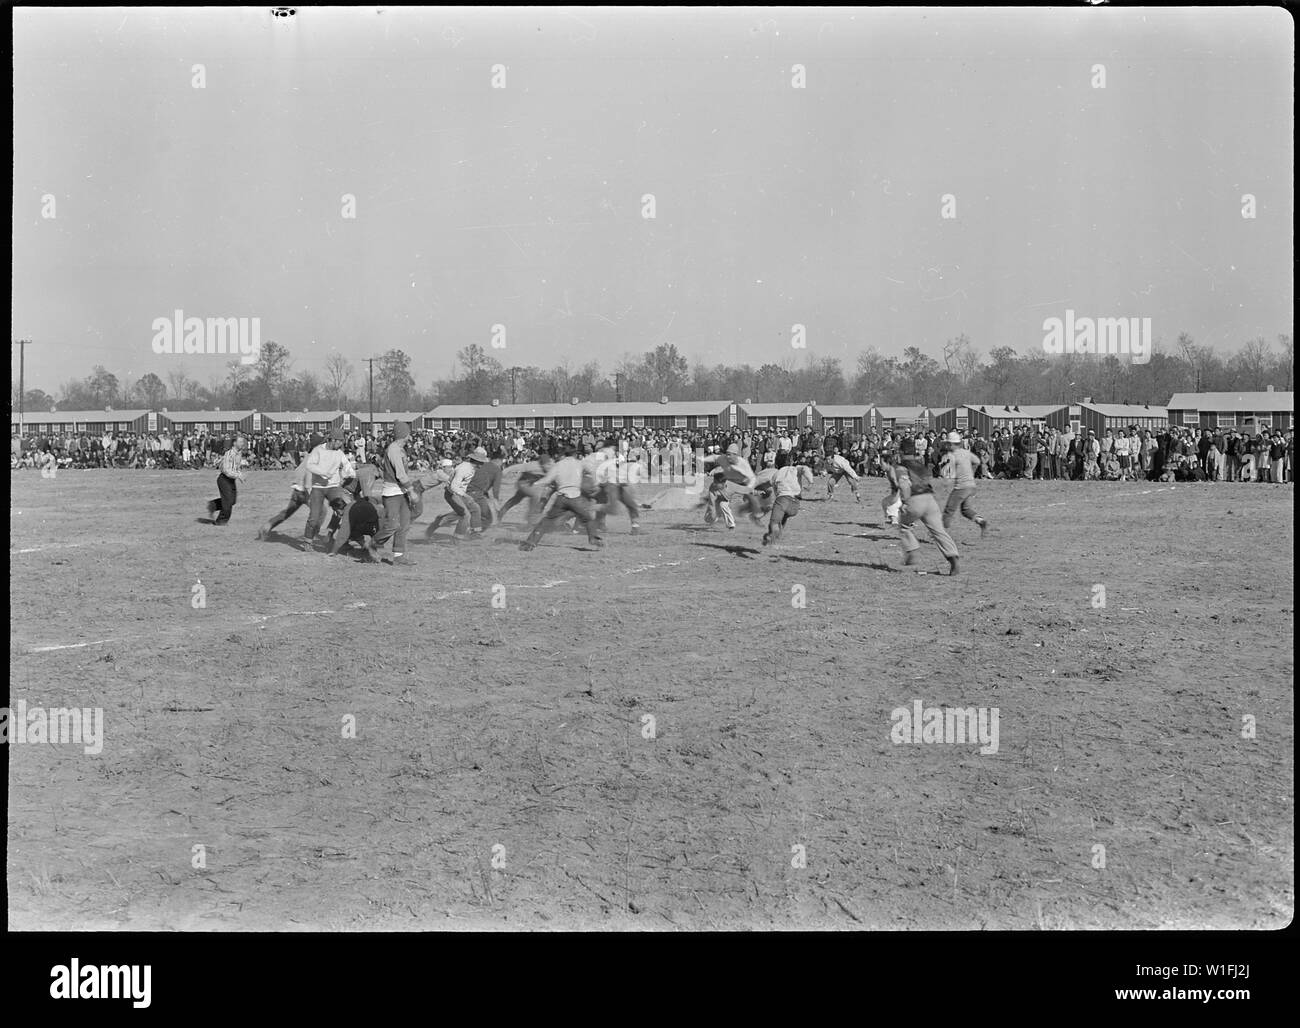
(787, 489)
(919, 504)
(359, 522)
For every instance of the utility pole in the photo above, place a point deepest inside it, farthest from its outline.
(371, 362)
(22, 345)
(513, 372)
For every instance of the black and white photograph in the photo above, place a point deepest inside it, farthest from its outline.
(652, 469)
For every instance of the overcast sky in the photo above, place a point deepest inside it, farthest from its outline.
(522, 205)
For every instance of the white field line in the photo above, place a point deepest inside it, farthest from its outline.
(1144, 492)
(249, 621)
(52, 546)
(69, 646)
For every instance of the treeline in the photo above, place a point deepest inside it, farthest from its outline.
(961, 375)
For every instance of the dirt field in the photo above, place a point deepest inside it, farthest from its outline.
(522, 728)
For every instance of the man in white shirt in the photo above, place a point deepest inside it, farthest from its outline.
(787, 488)
(328, 467)
(566, 476)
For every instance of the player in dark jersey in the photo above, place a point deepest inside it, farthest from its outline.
(919, 504)
(528, 477)
(359, 521)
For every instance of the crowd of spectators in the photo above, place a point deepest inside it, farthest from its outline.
(1026, 451)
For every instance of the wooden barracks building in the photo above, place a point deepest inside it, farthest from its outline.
(1247, 412)
(482, 417)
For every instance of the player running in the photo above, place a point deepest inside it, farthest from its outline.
(735, 470)
(566, 476)
(962, 464)
(299, 496)
(228, 480)
(892, 504)
(525, 487)
(919, 504)
(464, 511)
(787, 489)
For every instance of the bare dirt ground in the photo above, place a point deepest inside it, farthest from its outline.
(516, 736)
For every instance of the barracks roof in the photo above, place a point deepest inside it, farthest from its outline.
(1266, 401)
(1007, 412)
(649, 408)
(772, 410)
(71, 416)
(1127, 410)
(843, 410)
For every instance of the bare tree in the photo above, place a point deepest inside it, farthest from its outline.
(178, 380)
(338, 372)
(1255, 360)
(1197, 357)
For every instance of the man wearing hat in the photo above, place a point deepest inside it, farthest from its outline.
(399, 497)
(919, 504)
(465, 511)
(962, 464)
(485, 485)
(328, 467)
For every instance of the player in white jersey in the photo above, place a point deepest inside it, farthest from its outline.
(609, 471)
(735, 471)
(787, 488)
